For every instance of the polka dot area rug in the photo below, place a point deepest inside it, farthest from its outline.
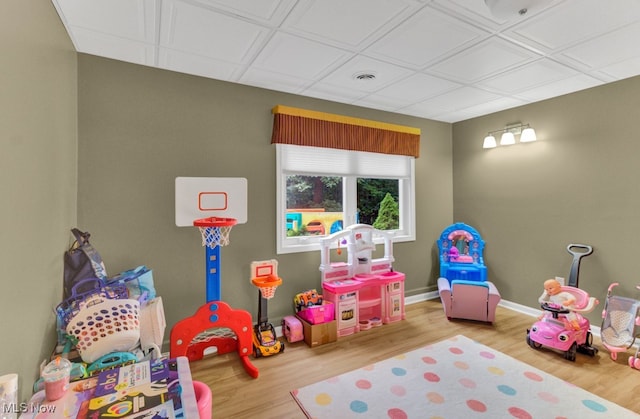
(452, 379)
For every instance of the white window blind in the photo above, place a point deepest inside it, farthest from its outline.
(331, 161)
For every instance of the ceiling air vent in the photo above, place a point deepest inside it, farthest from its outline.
(364, 76)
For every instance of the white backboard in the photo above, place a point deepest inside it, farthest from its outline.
(202, 197)
(264, 268)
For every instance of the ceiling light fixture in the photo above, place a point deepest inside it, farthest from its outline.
(508, 9)
(526, 133)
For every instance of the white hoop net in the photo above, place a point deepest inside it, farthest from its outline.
(209, 335)
(268, 292)
(215, 236)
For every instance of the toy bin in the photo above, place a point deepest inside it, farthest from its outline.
(318, 314)
(104, 326)
(292, 329)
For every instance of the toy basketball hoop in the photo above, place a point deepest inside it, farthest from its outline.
(267, 285)
(215, 230)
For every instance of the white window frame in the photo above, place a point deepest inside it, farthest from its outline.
(317, 161)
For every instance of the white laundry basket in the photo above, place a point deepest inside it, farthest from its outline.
(104, 326)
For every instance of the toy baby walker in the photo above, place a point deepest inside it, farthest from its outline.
(365, 292)
(620, 325)
(264, 275)
(562, 326)
(215, 325)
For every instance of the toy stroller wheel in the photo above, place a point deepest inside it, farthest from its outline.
(631, 361)
(571, 353)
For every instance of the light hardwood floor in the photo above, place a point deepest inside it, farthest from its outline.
(236, 395)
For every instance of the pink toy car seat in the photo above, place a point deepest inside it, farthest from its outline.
(471, 300)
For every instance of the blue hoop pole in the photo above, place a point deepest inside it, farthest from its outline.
(212, 267)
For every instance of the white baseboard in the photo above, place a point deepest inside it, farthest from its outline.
(421, 297)
(530, 311)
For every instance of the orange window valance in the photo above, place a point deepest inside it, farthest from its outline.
(318, 129)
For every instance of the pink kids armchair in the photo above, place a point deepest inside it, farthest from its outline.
(463, 287)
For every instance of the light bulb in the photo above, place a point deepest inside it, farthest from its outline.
(489, 142)
(528, 135)
(507, 139)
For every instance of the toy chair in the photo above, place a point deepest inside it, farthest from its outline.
(463, 287)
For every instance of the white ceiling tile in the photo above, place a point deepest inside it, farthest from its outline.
(205, 32)
(131, 19)
(116, 48)
(322, 90)
(479, 11)
(573, 21)
(274, 81)
(595, 53)
(287, 54)
(196, 64)
(348, 23)
(385, 74)
(382, 103)
(267, 11)
(416, 88)
(455, 100)
(425, 37)
(488, 107)
(532, 74)
(483, 60)
(558, 88)
(623, 69)
(449, 117)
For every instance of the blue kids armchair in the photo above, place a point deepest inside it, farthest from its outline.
(463, 287)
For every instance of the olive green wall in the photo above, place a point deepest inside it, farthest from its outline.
(140, 128)
(38, 160)
(576, 184)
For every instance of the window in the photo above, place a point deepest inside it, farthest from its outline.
(321, 190)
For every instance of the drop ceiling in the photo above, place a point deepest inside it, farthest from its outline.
(446, 60)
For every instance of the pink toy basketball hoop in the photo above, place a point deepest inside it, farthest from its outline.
(267, 285)
(215, 230)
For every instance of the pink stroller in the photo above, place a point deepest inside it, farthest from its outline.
(620, 321)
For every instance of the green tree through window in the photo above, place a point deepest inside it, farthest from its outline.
(388, 214)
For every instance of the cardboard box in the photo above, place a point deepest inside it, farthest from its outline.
(318, 314)
(319, 334)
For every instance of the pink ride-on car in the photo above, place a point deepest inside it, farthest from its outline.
(555, 332)
(564, 328)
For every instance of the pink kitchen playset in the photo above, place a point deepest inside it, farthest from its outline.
(365, 292)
